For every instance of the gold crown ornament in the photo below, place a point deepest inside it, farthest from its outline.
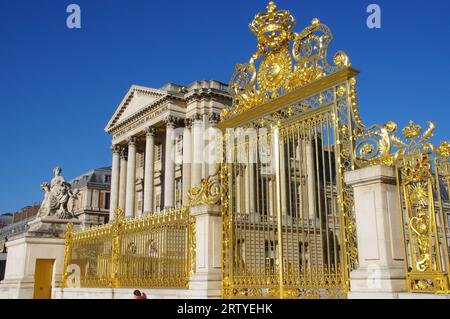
(272, 28)
(412, 130)
(284, 61)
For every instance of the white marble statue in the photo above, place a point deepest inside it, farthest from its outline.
(59, 200)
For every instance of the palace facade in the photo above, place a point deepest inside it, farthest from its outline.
(93, 193)
(156, 133)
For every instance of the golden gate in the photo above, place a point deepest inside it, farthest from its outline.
(288, 228)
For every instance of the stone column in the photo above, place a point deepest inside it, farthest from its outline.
(211, 150)
(114, 200)
(123, 178)
(381, 272)
(239, 189)
(249, 177)
(169, 169)
(131, 178)
(149, 170)
(207, 279)
(284, 165)
(311, 180)
(187, 161)
(197, 147)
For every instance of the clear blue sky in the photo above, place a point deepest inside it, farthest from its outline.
(58, 87)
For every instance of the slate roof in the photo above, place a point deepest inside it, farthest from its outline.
(94, 178)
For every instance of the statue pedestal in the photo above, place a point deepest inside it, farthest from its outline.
(35, 260)
(49, 227)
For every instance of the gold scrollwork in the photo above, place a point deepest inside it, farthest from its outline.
(421, 165)
(281, 71)
(380, 145)
(207, 193)
(192, 245)
(411, 155)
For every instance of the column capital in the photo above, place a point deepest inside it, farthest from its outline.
(197, 117)
(150, 131)
(132, 141)
(116, 149)
(214, 118)
(171, 121)
(124, 153)
(187, 123)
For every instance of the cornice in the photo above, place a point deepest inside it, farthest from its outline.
(127, 99)
(206, 93)
(159, 103)
(136, 116)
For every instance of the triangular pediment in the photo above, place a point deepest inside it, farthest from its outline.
(137, 99)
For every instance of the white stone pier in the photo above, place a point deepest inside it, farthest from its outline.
(381, 272)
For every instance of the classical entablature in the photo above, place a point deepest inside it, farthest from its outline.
(143, 107)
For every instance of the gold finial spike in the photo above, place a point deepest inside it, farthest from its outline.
(69, 227)
(119, 214)
(315, 22)
(271, 6)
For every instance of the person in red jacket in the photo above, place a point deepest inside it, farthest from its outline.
(139, 295)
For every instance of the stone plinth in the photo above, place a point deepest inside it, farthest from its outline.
(207, 280)
(381, 272)
(48, 227)
(44, 240)
(121, 293)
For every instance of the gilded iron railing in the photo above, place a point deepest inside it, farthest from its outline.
(423, 180)
(152, 251)
(285, 231)
(424, 188)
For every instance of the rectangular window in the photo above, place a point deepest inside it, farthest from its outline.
(269, 252)
(179, 147)
(80, 201)
(141, 160)
(157, 202)
(101, 200)
(303, 254)
(178, 192)
(330, 206)
(107, 178)
(107, 200)
(158, 152)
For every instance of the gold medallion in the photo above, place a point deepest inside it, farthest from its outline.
(274, 70)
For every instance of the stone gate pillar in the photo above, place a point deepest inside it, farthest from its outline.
(381, 271)
(207, 278)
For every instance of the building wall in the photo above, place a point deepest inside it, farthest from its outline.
(92, 207)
